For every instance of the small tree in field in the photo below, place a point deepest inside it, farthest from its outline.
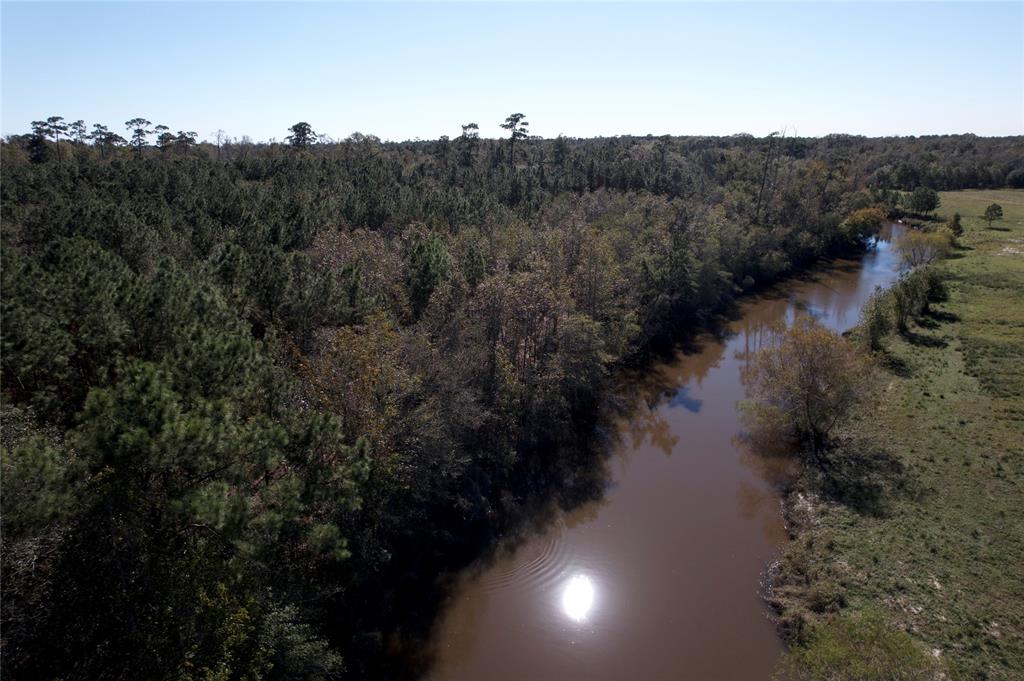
(923, 200)
(805, 382)
(993, 213)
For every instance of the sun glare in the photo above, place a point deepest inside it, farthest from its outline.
(578, 597)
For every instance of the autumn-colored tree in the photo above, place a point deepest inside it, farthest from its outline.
(919, 248)
(805, 382)
(864, 223)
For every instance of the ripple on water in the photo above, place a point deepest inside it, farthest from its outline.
(538, 564)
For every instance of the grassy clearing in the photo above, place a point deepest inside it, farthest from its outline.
(943, 556)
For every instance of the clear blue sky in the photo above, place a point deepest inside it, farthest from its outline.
(420, 70)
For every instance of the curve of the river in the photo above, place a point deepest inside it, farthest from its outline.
(659, 578)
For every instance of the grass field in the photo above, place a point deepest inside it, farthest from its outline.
(943, 557)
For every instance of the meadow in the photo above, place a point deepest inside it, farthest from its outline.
(940, 550)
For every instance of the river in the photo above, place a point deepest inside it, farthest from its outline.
(659, 579)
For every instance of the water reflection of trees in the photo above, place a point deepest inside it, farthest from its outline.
(639, 418)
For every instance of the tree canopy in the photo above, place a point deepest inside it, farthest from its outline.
(255, 397)
(806, 381)
(923, 200)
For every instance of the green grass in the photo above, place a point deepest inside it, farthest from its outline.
(945, 558)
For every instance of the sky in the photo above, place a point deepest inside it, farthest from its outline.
(405, 71)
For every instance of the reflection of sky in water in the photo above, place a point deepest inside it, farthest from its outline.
(682, 399)
(578, 597)
(816, 311)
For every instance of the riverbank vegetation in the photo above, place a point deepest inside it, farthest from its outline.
(803, 383)
(929, 536)
(258, 399)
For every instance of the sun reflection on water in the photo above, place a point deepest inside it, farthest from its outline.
(578, 597)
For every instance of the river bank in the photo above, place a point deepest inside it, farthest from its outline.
(661, 573)
(940, 549)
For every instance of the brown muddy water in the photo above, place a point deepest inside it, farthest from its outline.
(659, 579)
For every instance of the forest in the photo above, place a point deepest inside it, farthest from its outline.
(259, 400)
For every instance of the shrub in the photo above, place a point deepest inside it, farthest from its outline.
(806, 379)
(863, 223)
(876, 318)
(909, 296)
(921, 248)
(935, 286)
(955, 227)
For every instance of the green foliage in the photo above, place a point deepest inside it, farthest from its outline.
(909, 297)
(949, 412)
(993, 213)
(245, 389)
(302, 135)
(922, 200)
(934, 286)
(292, 649)
(39, 486)
(429, 265)
(864, 223)
(861, 647)
(955, 226)
(139, 128)
(518, 129)
(912, 294)
(876, 318)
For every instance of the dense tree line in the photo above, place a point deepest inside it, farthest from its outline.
(258, 398)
